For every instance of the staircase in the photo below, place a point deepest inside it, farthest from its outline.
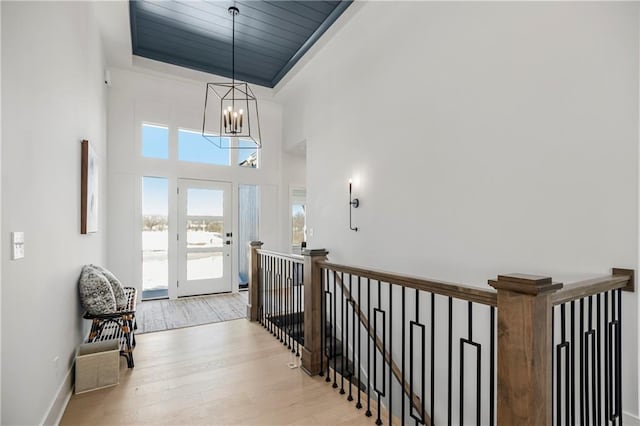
(293, 326)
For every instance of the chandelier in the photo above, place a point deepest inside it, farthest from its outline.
(237, 116)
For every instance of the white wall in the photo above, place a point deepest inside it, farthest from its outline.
(52, 97)
(137, 96)
(483, 138)
(0, 208)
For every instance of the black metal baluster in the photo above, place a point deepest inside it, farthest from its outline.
(323, 313)
(591, 334)
(274, 283)
(290, 317)
(412, 326)
(290, 292)
(380, 392)
(469, 341)
(572, 327)
(449, 364)
(553, 342)
(294, 313)
(411, 350)
(292, 305)
(619, 357)
(327, 352)
(402, 403)
(353, 337)
(345, 344)
(269, 293)
(492, 361)
(287, 333)
(261, 287)
(280, 302)
(557, 367)
(390, 399)
(342, 355)
(478, 370)
(274, 298)
(265, 290)
(359, 403)
(271, 296)
(433, 321)
(556, 382)
(300, 286)
(613, 358)
(335, 333)
(582, 390)
(423, 414)
(283, 298)
(598, 361)
(607, 360)
(295, 319)
(368, 412)
(564, 345)
(278, 313)
(462, 364)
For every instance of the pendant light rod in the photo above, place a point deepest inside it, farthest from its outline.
(234, 124)
(234, 11)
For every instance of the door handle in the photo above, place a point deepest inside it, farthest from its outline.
(228, 242)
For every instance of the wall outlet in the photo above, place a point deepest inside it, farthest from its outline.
(17, 245)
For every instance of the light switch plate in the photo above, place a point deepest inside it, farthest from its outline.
(17, 245)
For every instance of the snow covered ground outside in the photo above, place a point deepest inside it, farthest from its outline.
(155, 262)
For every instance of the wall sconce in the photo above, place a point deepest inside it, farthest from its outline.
(354, 203)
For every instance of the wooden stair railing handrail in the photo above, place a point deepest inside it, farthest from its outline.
(294, 257)
(524, 303)
(443, 288)
(620, 278)
(416, 402)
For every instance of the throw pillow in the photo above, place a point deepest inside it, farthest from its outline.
(96, 294)
(116, 285)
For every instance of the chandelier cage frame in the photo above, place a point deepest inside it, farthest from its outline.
(231, 130)
(231, 94)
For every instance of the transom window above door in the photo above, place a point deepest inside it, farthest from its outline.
(157, 141)
(193, 147)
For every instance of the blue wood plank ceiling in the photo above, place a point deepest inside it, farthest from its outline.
(271, 36)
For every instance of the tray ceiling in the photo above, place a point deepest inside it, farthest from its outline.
(271, 36)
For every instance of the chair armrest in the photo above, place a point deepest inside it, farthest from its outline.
(111, 316)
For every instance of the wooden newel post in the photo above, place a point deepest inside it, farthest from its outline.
(312, 350)
(524, 349)
(253, 301)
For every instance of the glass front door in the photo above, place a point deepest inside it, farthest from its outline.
(204, 237)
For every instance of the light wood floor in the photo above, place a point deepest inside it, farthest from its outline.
(226, 373)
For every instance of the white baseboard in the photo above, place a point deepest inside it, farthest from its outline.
(630, 419)
(53, 416)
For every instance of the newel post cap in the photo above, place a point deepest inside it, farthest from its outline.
(256, 243)
(314, 252)
(525, 283)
